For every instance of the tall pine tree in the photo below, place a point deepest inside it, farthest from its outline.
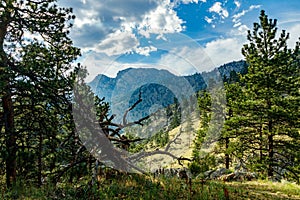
(268, 112)
(36, 83)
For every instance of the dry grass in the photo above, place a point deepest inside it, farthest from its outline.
(136, 186)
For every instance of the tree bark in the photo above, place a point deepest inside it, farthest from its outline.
(40, 164)
(226, 154)
(10, 139)
(7, 104)
(271, 150)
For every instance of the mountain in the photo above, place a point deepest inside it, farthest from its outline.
(158, 88)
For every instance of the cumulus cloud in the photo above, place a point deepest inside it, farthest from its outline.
(224, 50)
(186, 60)
(117, 43)
(160, 21)
(99, 63)
(112, 26)
(217, 8)
(294, 30)
(145, 51)
(95, 20)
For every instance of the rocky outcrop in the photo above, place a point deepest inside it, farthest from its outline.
(240, 174)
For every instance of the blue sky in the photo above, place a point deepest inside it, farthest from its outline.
(183, 36)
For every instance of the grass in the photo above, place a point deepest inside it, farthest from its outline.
(138, 187)
(266, 190)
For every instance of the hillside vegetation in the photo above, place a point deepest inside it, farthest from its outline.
(58, 140)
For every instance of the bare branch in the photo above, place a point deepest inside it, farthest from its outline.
(173, 141)
(132, 107)
(141, 155)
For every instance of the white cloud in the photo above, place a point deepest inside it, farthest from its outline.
(290, 22)
(236, 17)
(294, 31)
(99, 63)
(162, 20)
(95, 20)
(208, 20)
(238, 4)
(237, 24)
(191, 1)
(187, 60)
(118, 43)
(217, 8)
(241, 29)
(145, 50)
(91, 18)
(183, 60)
(224, 50)
(117, 25)
(252, 7)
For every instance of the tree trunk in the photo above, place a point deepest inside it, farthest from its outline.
(271, 155)
(10, 139)
(40, 166)
(261, 145)
(271, 149)
(226, 154)
(7, 103)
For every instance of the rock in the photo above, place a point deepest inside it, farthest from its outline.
(227, 177)
(208, 173)
(238, 176)
(218, 173)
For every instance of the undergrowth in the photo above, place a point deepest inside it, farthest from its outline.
(136, 186)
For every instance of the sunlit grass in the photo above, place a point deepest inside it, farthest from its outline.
(136, 186)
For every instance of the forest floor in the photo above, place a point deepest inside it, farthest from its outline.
(136, 186)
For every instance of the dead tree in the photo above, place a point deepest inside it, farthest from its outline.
(103, 137)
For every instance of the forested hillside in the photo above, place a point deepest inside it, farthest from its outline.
(124, 91)
(58, 140)
(261, 130)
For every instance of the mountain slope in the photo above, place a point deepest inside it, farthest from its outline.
(158, 88)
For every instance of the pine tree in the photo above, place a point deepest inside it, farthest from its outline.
(36, 81)
(268, 111)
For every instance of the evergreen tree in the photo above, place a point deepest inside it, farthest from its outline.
(233, 92)
(36, 81)
(267, 114)
(211, 106)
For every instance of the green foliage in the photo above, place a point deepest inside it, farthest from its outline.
(265, 111)
(203, 161)
(135, 186)
(36, 77)
(174, 113)
(157, 140)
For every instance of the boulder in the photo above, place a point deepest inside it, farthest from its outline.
(218, 173)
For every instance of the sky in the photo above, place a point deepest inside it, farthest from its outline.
(182, 36)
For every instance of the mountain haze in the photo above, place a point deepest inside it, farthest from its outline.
(158, 88)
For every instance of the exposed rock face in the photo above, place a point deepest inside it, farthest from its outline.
(240, 174)
(218, 173)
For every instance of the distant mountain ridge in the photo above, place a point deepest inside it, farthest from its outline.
(158, 88)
